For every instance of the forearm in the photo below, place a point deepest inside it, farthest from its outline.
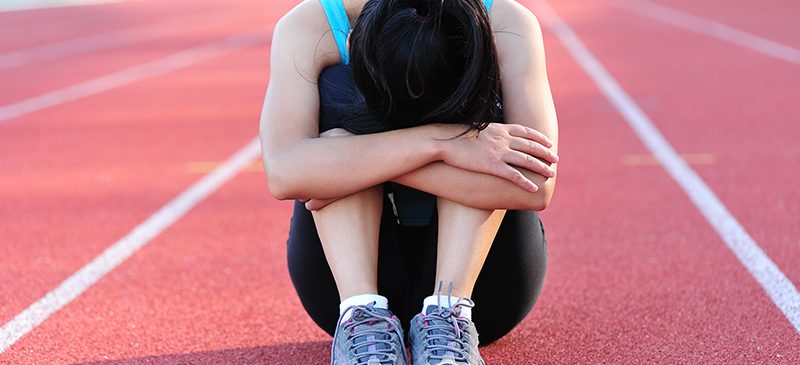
(333, 167)
(478, 190)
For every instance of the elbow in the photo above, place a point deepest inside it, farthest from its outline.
(277, 182)
(530, 203)
(277, 190)
(539, 204)
(538, 201)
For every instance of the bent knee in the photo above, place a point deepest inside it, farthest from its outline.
(335, 132)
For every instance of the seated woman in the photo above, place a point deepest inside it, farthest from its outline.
(417, 185)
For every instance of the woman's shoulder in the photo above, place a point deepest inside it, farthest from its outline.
(514, 25)
(304, 32)
(510, 15)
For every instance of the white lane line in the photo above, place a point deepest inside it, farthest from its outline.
(121, 250)
(19, 5)
(777, 286)
(96, 42)
(711, 28)
(136, 73)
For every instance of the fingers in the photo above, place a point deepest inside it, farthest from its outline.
(511, 174)
(317, 204)
(522, 131)
(311, 204)
(534, 149)
(529, 162)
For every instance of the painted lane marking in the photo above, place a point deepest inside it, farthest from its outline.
(206, 166)
(20, 5)
(777, 286)
(710, 28)
(136, 73)
(123, 249)
(689, 158)
(106, 40)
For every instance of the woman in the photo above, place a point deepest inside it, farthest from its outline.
(409, 170)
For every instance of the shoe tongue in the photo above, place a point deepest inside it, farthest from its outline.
(363, 313)
(371, 324)
(376, 324)
(437, 309)
(447, 360)
(441, 316)
(360, 315)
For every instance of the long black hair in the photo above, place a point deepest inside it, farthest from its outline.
(424, 61)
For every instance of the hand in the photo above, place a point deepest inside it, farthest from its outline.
(497, 148)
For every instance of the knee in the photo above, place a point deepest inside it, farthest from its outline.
(449, 206)
(335, 132)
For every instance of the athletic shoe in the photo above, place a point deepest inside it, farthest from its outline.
(442, 337)
(371, 336)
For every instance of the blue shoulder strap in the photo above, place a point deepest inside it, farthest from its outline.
(340, 25)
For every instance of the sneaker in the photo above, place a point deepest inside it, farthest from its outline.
(442, 337)
(371, 336)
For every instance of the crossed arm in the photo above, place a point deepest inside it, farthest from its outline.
(505, 167)
(527, 102)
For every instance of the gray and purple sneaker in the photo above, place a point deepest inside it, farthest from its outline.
(442, 337)
(371, 336)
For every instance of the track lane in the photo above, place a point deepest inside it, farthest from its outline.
(775, 20)
(24, 29)
(49, 188)
(623, 286)
(665, 312)
(711, 97)
(711, 28)
(213, 283)
(111, 39)
(39, 78)
(84, 181)
(636, 274)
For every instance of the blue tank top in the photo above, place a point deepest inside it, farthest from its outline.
(340, 24)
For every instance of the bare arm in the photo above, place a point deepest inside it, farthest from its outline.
(298, 163)
(478, 190)
(474, 189)
(527, 101)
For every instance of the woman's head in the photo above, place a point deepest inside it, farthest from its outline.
(425, 61)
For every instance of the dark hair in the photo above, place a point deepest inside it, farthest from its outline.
(425, 61)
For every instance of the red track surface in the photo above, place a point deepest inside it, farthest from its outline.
(636, 274)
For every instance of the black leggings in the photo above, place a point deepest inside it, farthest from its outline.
(506, 290)
(508, 284)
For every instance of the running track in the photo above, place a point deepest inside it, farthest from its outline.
(145, 98)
